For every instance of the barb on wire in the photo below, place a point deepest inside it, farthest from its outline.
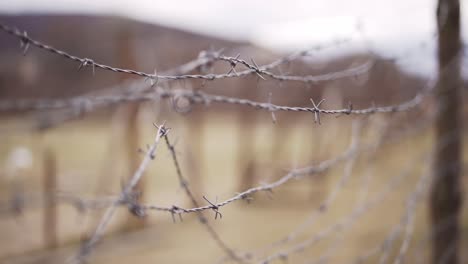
(317, 110)
(88, 246)
(214, 207)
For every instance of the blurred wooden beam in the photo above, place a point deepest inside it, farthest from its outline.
(50, 207)
(445, 197)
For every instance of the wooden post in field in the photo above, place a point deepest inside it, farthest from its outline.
(129, 113)
(245, 149)
(445, 197)
(196, 150)
(50, 205)
(246, 138)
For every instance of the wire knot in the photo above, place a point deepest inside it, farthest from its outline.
(176, 210)
(215, 208)
(24, 42)
(317, 110)
(86, 62)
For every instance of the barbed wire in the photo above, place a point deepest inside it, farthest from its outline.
(382, 141)
(252, 68)
(410, 215)
(360, 209)
(198, 97)
(362, 196)
(202, 219)
(323, 166)
(82, 104)
(127, 191)
(327, 202)
(139, 91)
(349, 155)
(407, 220)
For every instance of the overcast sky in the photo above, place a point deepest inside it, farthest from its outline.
(400, 28)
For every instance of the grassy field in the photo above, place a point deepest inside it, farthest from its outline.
(91, 162)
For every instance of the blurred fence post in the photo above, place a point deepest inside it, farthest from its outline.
(50, 206)
(246, 156)
(445, 197)
(130, 119)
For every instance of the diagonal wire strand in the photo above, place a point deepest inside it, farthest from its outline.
(88, 246)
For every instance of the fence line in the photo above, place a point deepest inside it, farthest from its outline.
(202, 219)
(155, 92)
(362, 195)
(361, 208)
(326, 203)
(252, 68)
(126, 194)
(373, 149)
(198, 97)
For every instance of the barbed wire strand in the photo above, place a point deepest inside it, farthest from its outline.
(88, 103)
(418, 257)
(330, 251)
(197, 97)
(373, 148)
(410, 216)
(129, 86)
(88, 246)
(202, 219)
(392, 235)
(406, 219)
(142, 86)
(349, 153)
(360, 209)
(253, 68)
(362, 196)
(327, 201)
(323, 166)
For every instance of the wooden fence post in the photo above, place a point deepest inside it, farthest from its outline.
(50, 205)
(445, 196)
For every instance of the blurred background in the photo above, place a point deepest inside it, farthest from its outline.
(383, 52)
